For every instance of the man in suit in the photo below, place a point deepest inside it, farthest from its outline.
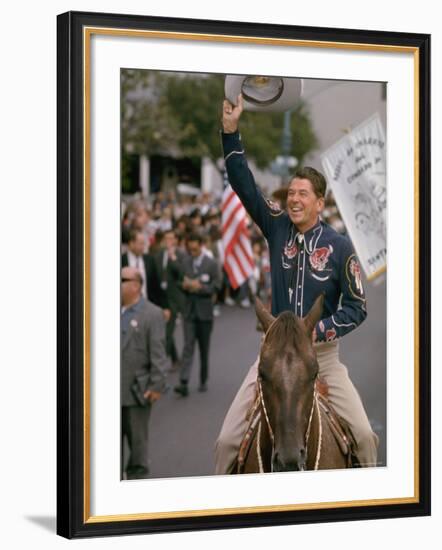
(136, 257)
(143, 364)
(200, 283)
(167, 263)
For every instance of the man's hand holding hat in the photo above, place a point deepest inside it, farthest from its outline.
(231, 115)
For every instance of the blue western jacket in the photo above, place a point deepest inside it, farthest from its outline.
(302, 265)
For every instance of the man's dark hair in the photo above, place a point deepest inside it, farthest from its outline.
(316, 178)
(195, 214)
(195, 237)
(132, 236)
(182, 219)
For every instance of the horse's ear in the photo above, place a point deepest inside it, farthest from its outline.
(315, 314)
(264, 316)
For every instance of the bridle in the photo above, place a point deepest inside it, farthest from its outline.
(315, 405)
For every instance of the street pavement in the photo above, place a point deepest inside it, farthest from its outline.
(183, 430)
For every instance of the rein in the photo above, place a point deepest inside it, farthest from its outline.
(315, 405)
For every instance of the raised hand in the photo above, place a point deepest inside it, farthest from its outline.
(231, 114)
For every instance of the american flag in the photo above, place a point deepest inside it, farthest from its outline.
(238, 255)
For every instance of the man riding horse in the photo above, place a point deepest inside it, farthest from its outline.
(308, 258)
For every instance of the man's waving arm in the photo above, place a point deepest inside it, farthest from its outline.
(262, 212)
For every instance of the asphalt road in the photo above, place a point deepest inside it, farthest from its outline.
(183, 430)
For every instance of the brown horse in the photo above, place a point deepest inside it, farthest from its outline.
(295, 429)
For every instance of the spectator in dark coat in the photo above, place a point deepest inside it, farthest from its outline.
(168, 266)
(136, 257)
(200, 284)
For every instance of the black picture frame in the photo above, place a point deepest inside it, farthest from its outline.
(73, 517)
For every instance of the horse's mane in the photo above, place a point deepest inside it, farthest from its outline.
(287, 327)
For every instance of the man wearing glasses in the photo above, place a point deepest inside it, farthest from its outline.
(143, 365)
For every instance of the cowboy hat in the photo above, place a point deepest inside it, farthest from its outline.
(264, 93)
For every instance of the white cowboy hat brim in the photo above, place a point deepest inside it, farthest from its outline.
(263, 93)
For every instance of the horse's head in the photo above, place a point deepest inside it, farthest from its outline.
(288, 369)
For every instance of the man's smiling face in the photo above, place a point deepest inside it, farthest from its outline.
(303, 206)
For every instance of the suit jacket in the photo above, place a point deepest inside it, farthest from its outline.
(199, 305)
(151, 284)
(143, 351)
(169, 296)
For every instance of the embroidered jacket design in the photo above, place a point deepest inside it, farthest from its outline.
(353, 274)
(319, 257)
(290, 251)
(275, 209)
(355, 270)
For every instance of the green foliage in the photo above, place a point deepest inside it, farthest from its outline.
(195, 101)
(178, 114)
(148, 126)
(129, 173)
(262, 135)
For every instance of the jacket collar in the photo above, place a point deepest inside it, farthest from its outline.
(136, 306)
(311, 236)
(197, 262)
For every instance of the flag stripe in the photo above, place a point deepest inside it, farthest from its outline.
(232, 237)
(238, 255)
(229, 202)
(246, 251)
(235, 216)
(235, 276)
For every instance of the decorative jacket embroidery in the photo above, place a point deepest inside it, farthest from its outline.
(353, 274)
(275, 209)
(355, 270)
(319, 257)
(290, 251)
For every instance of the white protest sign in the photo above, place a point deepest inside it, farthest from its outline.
(355, 170)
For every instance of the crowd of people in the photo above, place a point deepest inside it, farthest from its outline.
(200, 214)
(172, 270)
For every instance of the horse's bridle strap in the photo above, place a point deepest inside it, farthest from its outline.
(263, 405)
(315, 404)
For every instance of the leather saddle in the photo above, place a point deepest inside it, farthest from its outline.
(338, 426)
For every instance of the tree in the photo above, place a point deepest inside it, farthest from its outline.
(178, 114)
(262, 134)
(147, 124)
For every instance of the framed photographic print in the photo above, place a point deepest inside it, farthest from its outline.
(151, 162)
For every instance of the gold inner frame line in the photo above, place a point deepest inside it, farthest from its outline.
(87, 33)
(248, 40)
